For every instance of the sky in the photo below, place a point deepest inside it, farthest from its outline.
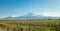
(22, 7)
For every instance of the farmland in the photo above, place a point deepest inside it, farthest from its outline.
(29, 25)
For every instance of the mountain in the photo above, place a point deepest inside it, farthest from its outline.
(30, 16)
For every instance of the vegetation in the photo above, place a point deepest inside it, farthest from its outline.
(34, 25)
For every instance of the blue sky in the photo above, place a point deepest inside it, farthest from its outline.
(22, 7)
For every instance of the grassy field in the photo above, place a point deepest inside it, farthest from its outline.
(29, 25)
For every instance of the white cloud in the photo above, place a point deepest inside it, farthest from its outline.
(36, 14)
(53, 14)
(13, 16)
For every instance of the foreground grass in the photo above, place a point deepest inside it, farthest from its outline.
(29, 25)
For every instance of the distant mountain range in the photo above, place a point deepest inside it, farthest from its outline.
(30, 16)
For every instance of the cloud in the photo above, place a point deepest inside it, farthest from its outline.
(36, 13)
(13, 16)
(53, 14)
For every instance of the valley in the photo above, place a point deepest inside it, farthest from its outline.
(29, 25)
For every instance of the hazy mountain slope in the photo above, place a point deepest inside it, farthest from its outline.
(30, 16)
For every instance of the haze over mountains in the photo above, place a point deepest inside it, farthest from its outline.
(30, 16)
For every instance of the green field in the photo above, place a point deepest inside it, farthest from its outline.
(29, 25)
